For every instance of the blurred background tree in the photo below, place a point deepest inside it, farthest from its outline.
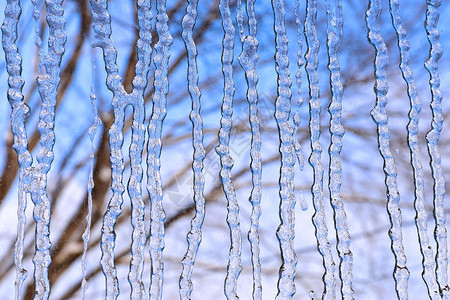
(363, 188)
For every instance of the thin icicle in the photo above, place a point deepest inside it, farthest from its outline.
(234, 267)
(428, 274)
(37, 31)
(321, 231)
(249, 60)
(194, 236)
(92, 131)
(240, 19)
(379, 115)
(19, 112)
(298, 81)
(334, 39)
(154, 184)
(431, 64)
(285, 231)
(139, 83)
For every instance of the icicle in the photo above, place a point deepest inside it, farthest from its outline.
(37, 31)
(47, 86)
(285, 232)
(154, 185)
(334, 38)
(401, 273)
(234, 260)
(102, 29)
(298, 81)
(142, 68)
(428, 273)
(249, 60)
(431, 64)
(18, 115)
(101, 24)
(195, 234)
(312, 61)
(33, 180)
(92, 131)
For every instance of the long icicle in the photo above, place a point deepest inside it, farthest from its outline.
(431, 64)
(144, 51)
(154, 184)
(234, 259)
(19, 112)
(321, 231)
(102, 31)
(298, 81)
(47, 85)
(101, 24)
(428, 273)
(285, 231)
(249, 60)
(379, 115)
(92, 132)
(334, 39)
(195, 234)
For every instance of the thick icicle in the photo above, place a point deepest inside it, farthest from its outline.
(312, 62)
(379, 115)
(285, 231)
(249, 60)
(195, 234)
(431, 64)
(154, 184)
(334, 39)
(428, 273)
(47, 86)
(234, 260)
(18, 115)
(102, 30)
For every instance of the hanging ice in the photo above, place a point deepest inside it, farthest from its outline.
(315, 157)
(401, 273)
(428, 273)
(154, 184)
(18, 115)
(431, 64)
(92, 131)
(234, 259)
(334, 38)
(102, 32)
(298, 80)
(285, 232)
(195, 234)
(249, 60)
(33, 179)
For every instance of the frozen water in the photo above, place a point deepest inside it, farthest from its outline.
(249, 60)
(379, 115)
(334, 38)
(195, 234)
(312, 61)
(413, 142)
(431, 64)
(285, 232)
